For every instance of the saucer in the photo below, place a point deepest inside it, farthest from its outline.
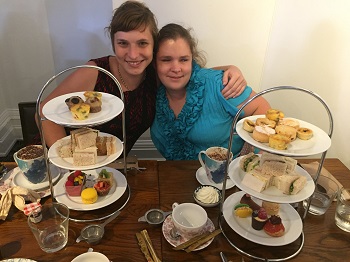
(168, 225)
(20, 180)
(202, 178)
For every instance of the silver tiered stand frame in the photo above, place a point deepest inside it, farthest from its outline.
(42, 135)
(232, 133)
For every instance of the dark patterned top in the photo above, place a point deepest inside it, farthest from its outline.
(139, 104)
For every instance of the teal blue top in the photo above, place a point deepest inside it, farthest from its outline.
(204, 121)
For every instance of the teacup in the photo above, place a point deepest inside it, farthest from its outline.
(31, 161)
(189, 219)
(214, 163)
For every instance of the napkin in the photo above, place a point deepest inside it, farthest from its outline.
(17, 196)
(312, 168)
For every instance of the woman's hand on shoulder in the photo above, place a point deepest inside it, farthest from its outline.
(234, 82)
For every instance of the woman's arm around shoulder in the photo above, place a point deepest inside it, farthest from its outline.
(257, 106)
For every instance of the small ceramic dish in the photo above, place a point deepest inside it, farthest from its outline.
(211, 190)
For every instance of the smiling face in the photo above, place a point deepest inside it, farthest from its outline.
(134, 50)
(174, 63)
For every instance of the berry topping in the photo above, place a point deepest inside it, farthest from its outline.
(275, 220)
(262, 213)
(69, 183)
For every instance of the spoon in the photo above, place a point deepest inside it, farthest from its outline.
(94, 233)
(154, 216)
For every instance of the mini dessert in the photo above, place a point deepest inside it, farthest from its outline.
(289, 122)
(207, 195)
(89, 195)
(304, 133)
(262, 133)
(95, 104)
(242, 210)
(75, 183)
(279, 141)
(246, 199)
(271, 208)
(103, 187)
(274, 226)
(288, 131)
(81, 111)
(92, 94)
(265, 122)
(259, 219)
(249, 162)
(248, 125)
(274, 114)
(73, 100)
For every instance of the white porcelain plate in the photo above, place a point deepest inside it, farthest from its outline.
(272, 194)
(67, 163)
(18, 260)
(203, 179)
(20, 180)
(57, 111)
(91, 257)
(319, 143)
(242, 226)
(168, 225)
(75, 203)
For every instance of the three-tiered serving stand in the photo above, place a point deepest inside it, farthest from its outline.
(250, 254)
(120, 203)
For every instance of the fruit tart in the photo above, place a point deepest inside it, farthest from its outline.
(75, 183)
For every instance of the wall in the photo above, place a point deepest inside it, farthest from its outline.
(274, 42)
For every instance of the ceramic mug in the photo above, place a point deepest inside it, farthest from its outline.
(189, 219)
(214, 163)
(31, 161)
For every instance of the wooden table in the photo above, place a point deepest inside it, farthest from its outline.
(162, 184)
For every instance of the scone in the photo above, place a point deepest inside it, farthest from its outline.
(80, 112)
(262, 133)
(289, 122)
(304, 133)
(279, 142)
(92, 94)
(287, 131)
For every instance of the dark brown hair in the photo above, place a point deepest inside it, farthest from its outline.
(132, 15)
(175, 31)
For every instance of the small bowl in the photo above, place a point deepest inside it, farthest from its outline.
(203, 204)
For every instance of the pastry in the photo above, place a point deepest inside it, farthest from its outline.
(81, 111)
(91, 94)
(89, 195)
(262, 133)
(274, 114)
(265, 122)
(279, 141)
(242, 210)
(103, 187)
(271, 207)
(75, 183)
(304, 133)
(289, 122)
(288, 131)
(248, 125)
(246, 199)
(73, 100)
(274, 226)
(259, 219)
(95, 104)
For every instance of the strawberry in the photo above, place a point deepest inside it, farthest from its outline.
(69, 183)
(77, 173)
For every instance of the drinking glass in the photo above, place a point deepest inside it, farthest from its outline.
(50, 226)
(342, 212)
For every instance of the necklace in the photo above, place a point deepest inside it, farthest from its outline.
(122, 79)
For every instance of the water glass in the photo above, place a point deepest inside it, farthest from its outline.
(326, 191)
(342, 213)
(50, 227)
